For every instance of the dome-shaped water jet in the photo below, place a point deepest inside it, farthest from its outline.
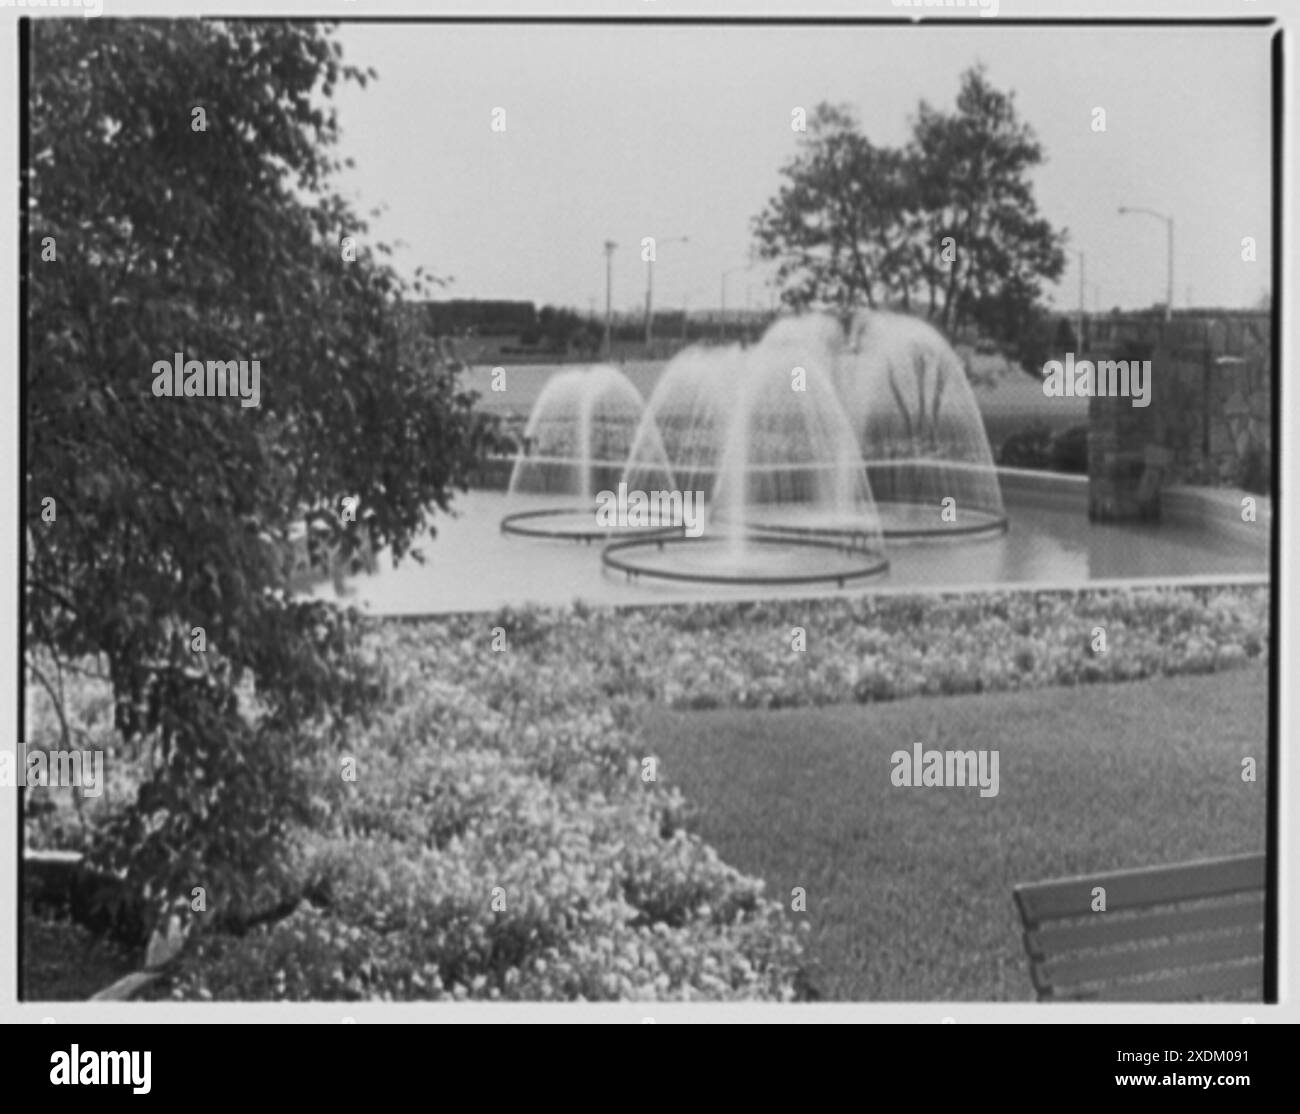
(761, 435)
(576, 445)
(920, 430)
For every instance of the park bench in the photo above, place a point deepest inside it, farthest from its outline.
(1170, 933)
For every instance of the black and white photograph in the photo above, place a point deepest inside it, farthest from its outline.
(676, 513)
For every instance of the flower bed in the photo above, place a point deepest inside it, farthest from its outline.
(500, 843)
(869, 648)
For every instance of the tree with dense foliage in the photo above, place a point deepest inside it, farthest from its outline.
(835, 227)
(972, 170)
(947, 226)
(180, 201)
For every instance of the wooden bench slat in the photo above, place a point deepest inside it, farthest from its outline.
(1100, 930)
(1183, 986)
(1114, 965)
(1137, 889)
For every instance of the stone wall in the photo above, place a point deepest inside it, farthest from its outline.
(1210, 417)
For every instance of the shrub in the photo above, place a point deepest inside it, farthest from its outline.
(175, 514)
(1068, 450)
(473, 869)
(1030, 448)
(1253, 472)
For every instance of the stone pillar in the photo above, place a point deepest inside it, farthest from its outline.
(1126, 457)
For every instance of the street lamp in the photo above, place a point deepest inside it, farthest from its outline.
(609, 286)
(649, 283)
(1078, 328)
(1169, 280)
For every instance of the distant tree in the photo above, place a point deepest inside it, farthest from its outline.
(971, 180)
(947, 227)
(1041, 337)
(182, 172)
(836, 224)
(559, 329)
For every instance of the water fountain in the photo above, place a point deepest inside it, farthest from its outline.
(761, 434)
(679, 442)
(920, 430)
(576, 444)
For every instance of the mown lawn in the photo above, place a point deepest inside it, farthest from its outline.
(909, 890)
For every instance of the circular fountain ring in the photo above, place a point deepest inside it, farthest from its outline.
(841, 563)
(573, 524)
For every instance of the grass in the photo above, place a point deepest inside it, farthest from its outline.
(909, 890)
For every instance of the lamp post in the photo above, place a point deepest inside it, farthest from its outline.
(1078, 328)
(649, 284)
(1169, 276)
(609, 305)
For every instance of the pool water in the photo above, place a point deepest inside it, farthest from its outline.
(472, 566)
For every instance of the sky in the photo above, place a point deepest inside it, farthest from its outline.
(618, 133)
